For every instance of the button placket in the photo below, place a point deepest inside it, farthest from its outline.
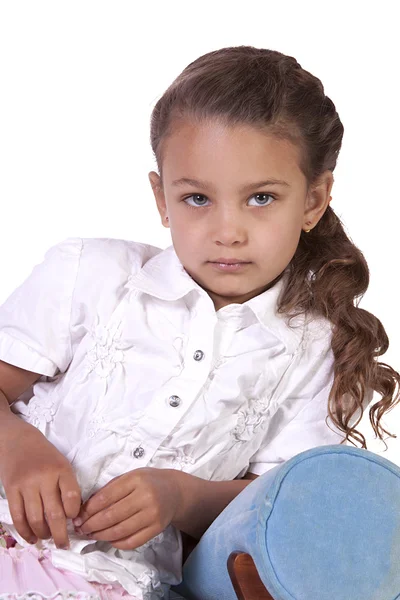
(174, 400)
(192, 378)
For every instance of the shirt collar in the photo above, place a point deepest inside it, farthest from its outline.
(164, 277)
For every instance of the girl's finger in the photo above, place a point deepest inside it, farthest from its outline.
(107, 496)
(17, 511)
(136, 539)
(106, 518)
(123, 529)
(70, 494)
(35, 513)
(55, 516)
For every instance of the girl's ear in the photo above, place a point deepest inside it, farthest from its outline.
(159, 196)
(155, 181)
(318, 198)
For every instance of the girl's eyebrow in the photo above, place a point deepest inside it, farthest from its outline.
(205, 185)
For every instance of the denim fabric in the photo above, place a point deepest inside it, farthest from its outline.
(324, 525)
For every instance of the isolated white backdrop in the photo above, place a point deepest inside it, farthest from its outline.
(79, 80)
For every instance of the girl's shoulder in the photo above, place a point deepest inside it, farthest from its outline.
(112, 252)
(99, 262)
(99, 269)
(104, 252)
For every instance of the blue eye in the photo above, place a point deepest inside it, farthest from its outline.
(202, 196)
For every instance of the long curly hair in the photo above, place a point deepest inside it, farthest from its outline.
(271, 91)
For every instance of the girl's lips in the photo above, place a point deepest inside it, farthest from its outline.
(229, 261)
(229, 268)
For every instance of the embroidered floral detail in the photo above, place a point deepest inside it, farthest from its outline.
(181, 459)
(41, 411)
(107, 350)
(250, 419)
(94, 426)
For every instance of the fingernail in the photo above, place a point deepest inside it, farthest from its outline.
(63, 547)
(78, 521)
(33, 540)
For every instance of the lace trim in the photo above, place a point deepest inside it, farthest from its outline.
(6, 540)
(158, 539)
(56, 596)
(150, 588)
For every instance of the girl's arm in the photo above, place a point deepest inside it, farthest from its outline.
(202, 501)
(14, 381)
(35, 475)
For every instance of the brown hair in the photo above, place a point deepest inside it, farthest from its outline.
(269, 90)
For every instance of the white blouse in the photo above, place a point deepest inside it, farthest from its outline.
(138, 369)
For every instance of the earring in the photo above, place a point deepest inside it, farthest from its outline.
(309, 222)
(308, 230)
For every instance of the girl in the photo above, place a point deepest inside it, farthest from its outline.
(142, 389)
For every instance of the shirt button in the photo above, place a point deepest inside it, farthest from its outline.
(174, 401)
(138, 453)
(198, 355)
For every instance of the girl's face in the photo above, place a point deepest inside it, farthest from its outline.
(225, 212)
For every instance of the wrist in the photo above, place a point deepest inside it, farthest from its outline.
(188, 490)
(199, 501)
(12, 427)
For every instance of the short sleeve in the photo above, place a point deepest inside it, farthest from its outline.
(299, 421)
(35, 318)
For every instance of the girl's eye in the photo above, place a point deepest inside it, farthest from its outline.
(264, 202)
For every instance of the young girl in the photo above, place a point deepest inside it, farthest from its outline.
(142, 389)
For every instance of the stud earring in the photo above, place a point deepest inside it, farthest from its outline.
(309, 222)
(308, 230)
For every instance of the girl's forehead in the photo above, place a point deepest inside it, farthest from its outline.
(208, 150)
(216, 130)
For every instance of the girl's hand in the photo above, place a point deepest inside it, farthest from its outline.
(39, 482)
(132, 508)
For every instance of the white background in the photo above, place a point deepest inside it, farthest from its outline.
(79, 80)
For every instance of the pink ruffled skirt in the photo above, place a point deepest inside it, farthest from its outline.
(28, 573)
